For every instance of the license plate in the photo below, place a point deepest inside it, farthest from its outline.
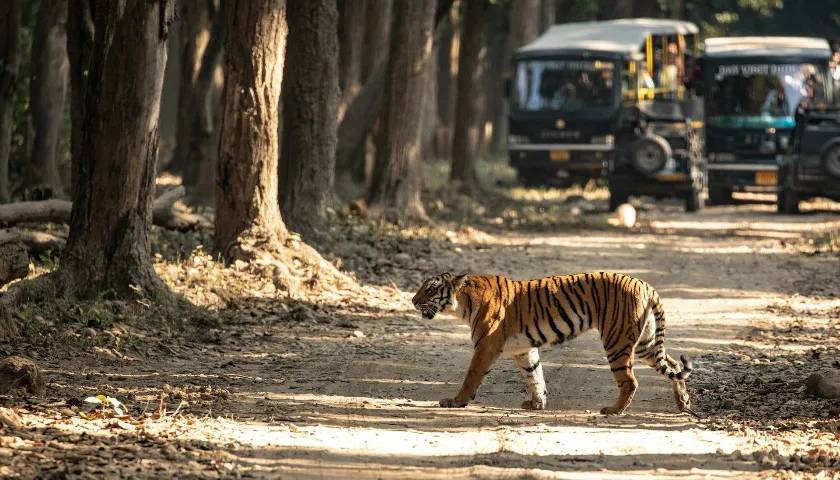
(765, 178)
(559, 155)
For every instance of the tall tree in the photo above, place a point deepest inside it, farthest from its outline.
(524, 22)
(247, 205)
(351, 46)
(396, 182)
(469, 103)
(195, 138)
(48, 85)
(548, 11)
(497, 29)
(9, 64)
(310, 106)
(80, 38)
(108, 245)
(193, 28)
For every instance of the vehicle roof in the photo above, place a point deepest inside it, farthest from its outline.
(623, 36)
(730, 47)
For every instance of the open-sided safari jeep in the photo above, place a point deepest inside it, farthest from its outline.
(595, 98)
(812, 168)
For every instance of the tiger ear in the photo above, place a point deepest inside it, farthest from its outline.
(459, 280)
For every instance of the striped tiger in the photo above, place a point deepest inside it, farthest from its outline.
(518, 317)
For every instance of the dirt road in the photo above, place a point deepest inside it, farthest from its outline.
(347, 387)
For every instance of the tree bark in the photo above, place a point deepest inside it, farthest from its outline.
(548, 11)
(193, 30)
(197, 146)
(310, 106)
(469, 103)
(351, 34)
(445, 69)
(396, 182)
(247, 202)
(377, 29)
(108, 246)
(9, 64)
(524, 22)
(364, 110)
(48, 85)
(498, 59)
(14, 262)
(80, 32)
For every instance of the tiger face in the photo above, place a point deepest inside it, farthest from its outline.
(436, 293)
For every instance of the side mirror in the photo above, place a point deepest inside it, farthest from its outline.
(507, 88)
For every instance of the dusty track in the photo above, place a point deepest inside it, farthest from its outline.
(273, 397)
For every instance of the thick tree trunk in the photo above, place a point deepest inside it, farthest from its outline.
(548, 11)
(524, 22)
(469, 103)
(396, 182)
(498, 59)
(196, 145)
(377, 29)
(351, 35)
(445, 68)
(374, 54)
(108, 245)
(193, 28)
(360, 115)
(310, 106)
(247, 204)
(9, 64)
(48, 85)
(80, 32)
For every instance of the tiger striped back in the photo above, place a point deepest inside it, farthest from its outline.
(518, 317)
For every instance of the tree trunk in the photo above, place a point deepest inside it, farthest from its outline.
(9, 64)
(548, 9)
(193, 28)
(48, 85)
(377, 28)
(524, 22)
(374, 54)
(498, 59)
(469, 104)
(396, 182)
(80, 32)
(247, 204)
(351, 35)
(196, 143)
(310, 106)
(108, 246)
(445, 71)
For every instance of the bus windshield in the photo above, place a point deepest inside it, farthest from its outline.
(564, 85)
(762, 94)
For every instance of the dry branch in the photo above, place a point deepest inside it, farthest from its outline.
(164, 214)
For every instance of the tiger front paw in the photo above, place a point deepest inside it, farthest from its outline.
(533, 404)
(452, 403)
(611, 411)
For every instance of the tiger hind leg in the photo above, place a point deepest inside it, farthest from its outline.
(622, 368)
(675, 372)
(532, 372)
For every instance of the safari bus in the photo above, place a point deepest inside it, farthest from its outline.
(595, 99)
(752, 87)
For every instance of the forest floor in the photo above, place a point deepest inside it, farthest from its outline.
(345, 384)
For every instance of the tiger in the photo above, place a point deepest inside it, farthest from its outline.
(517, 317)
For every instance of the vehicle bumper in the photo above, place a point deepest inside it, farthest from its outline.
(744, 176)
(568, 157)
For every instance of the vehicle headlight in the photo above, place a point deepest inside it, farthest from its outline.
(517, 139)
(603, 139)
(784, 141)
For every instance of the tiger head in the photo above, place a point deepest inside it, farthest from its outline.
(436, 293)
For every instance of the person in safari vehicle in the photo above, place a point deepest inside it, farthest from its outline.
(752, 88)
